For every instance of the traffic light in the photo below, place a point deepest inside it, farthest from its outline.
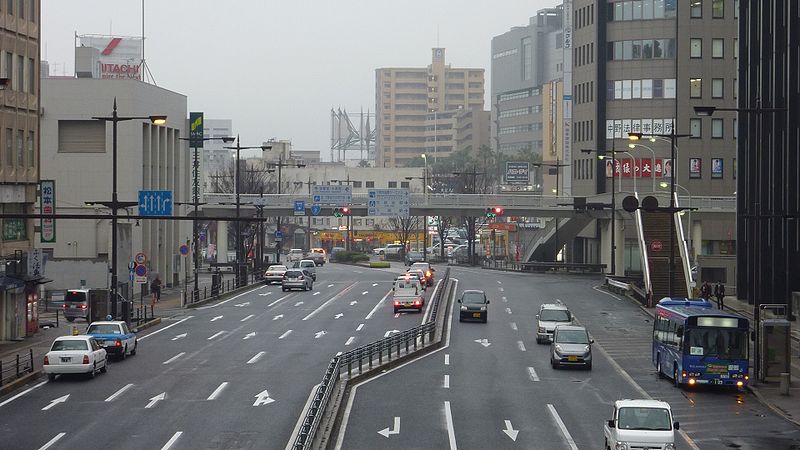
(345, 211)
(490, 213)
(498, 211)
(341, 212)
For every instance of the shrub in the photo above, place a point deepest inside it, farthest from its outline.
(350, 257)
(380, 265)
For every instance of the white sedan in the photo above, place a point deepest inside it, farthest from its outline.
(274, 274)
(75, 354)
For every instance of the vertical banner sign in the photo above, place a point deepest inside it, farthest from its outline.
(196, 129)
(566, 158)
(47, 205)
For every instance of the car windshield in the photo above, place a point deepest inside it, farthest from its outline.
(572, 337)
(70, 344)
(473, 297)
(276, 268)
(75, 297)
(307, 264)
(725, 343)
(294, 273)
(631, 418)
(421, 266)
(103, 329)
(555, 315)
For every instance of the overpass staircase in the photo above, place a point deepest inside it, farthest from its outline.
(542, 243)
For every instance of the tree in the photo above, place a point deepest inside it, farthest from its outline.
(403, 227)
(443, 225)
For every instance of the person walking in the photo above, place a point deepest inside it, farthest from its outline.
(155, 286)
(705, 291)
(719, 292)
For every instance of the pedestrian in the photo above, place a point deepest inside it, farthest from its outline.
(705, 291)
(719, 292)
(155, 286)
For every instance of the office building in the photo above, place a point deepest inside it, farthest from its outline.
(216, 158)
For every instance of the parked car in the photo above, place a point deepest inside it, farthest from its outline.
(426, 269)
(571, 346)
(318, 255)
(474, 306)
(640, 424)
(75, 354)
(297, 279)
(306, 264)
(390, 249)
(274, 273)
(114, 337)
(550, 315)
(414, 257)
(407, 294)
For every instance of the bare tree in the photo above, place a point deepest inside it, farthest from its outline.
(403, 227)
(443, 225)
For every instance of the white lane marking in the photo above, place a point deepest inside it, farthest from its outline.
(285, 334)
(338, 353)
(358, 328)
(279, 316)
(301, 419)
(162, 329)
(597, 288)
(180, 336)
(215, 335)
(56, 401)
(316, 293)
(532, 374)
(510, 431)
(232, 298)
(374, 284)
(240, 305)
(156, 399)
(298, 303)
(278, 300)
(369, 316)
(255, 359)
(249, 335)
(52, 441)
(248, 317)
(264, 295)
(174, 358)
(502, 289)
(365, 293)
(330, 285)
(514, 326)
(217, 391)
(521, 346)
(350, 341)
(447, 359)
(396, 315)
(340, 294)
(114, 396)
(447, 381)
(172, 440)
(560, 423)
(216, 318)
(338, 316)
(508, 310)
(499, 282)
(451, 432)
(5, 402)
(505, 299)
(353, 302)
(390, 332)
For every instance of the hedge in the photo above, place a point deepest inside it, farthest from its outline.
(350, 257)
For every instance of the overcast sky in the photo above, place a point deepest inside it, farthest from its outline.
(277, 67)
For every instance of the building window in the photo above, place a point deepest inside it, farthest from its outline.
(696, 88)
(356, 184)
(696, 48)
(696, 128)
(81, 136)
(735, 130)
(716, 128)
(20, 148)
(735, 48)
(695, 167)
(392, 184)
(717, 87)
(696, 9)
(370, 184)
(10, 6)
(527, 58)
(21, 9)
(9, 156)
(405, 184)
(735, 9)
(718, 9)
(19, 83)
(717, 48)
(31, 156)
(31, 77)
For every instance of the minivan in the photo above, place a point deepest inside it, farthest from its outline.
(640, 424)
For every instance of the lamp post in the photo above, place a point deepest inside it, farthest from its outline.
(634, 171)
(115, 204)
(652, 161)
(347, 220)
(664, 184)
(424, 179)
(471, 225)
(238, 147)
(196, 203)
(613, 201)
(308, 218)
(557, 191)
(280, 165)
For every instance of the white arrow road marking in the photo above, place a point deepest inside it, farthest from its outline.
(172, 440)
(319, 334)
(447, 381)
(255, 359)
(52, 441)
(499, 282)
(216, 318)
(502, 289)
(316, 293)
(215, 335)
(262, 398)
(298, 303)
(374, 284)
(359, 327)
(248, 317)
(353, 302)
(510, 431)
(338, 353)
(505, 299)
(156, 399)
(451, 432)
(390, 332)
(365, 293)
(330, 285)
(242, 304)
(183, 335)
(557, 418)
(532, 374)
(114, 396)
(395, 429)
(285, 334)
(217, 391)
(278, 300)
(279, 316)
(514, 326)
(447, 359)
(338, 316)
(521, 346)
(249, 335)
(264, 295)
(174, 358)
(396, 315)
(508, 310)
(350, 341)
(56, 401)
(484, 342)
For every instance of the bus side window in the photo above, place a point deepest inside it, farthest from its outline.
(679, 335)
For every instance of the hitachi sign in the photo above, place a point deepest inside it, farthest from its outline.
(120, 71)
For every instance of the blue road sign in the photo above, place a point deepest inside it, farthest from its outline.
(315, 209)
(155, 203)
(141, 270)
(278, 234)
(184, 249)
(299, 207)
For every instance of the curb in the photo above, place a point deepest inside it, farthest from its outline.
(10, 387)
(755, 391)
(149, 324)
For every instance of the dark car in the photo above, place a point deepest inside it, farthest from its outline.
(473, 306)
(414, 257)
(571, 346)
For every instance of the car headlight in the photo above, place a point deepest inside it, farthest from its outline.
(463, 308)
(621, 446)
(670, 446)
(558, 349)
(586, 349)
(483, 308)
(540, 330)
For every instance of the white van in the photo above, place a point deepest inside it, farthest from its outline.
(295, 254)
(640, 424)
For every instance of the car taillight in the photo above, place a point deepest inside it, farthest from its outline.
(428, 273)
(83, 306)
(46, 360)
(65, 306)
(117, 343)
(86, 359)
(416, 302)
(397, 303)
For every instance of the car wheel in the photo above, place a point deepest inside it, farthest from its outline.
(51, 377)
(93, 372)
(283, 288)
(135, 346)
(675, 376)
(124, 353)
(553, 363)
(589, 366)
(104, 369)
(70, 319)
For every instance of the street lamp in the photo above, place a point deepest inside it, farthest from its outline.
(613, 200)
(652, 161)
(280, 165)
(196, 203)
(425, 186)
(557, 191)
(664, 184)
(308, 218)
(238, 147)
(115, 204)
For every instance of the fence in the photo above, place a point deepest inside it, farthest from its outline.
(16, 367)
(219, 288)
(414, 337)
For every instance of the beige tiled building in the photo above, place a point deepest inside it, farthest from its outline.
(409, 102)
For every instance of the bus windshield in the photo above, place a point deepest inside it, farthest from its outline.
(724, 343)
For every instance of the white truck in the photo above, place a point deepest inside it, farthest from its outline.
(407, 293)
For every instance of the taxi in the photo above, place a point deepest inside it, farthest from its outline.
(114, 336)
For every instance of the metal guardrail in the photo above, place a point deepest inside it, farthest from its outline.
(414, 337)
(15, 368)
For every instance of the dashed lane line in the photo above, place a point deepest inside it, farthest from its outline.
(52, 441)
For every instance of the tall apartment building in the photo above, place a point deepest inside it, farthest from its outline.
(642, 66)
(19, 158)
(409, 101)
(527, 89)
(216, 158)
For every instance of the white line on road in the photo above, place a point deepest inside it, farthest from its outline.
(285, 334)
(162, 329)
(172, 440)
(248, 317)
(232, 298)
(374, 284)
(172, 359)
(532, 374)
(56, 401)
(316, 293)
(451, 432)
(216, 318)
(514, 326)
(508, 310)
(447, 381)
(278, 300)
(298, 303)
(358, 328)
(215, 335)
(350, 341)
(341, 293)
(52, 441)
(447, 359)
(217, 391)
(255, 359)
(369, 316)
(521, 346)
(114, 396)
(365, 293)
(560, 423)
(502, 289)
(499, 282)
(330, 285)
(505, 299)
(23, 393)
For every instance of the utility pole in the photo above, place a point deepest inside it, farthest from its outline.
(308, 217)
(280, 165)
(471, 188)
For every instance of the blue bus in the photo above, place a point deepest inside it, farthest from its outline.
(694, 343)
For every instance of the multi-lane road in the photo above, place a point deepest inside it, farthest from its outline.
(237, 374)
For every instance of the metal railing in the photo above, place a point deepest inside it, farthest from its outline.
(16, 367)
(413, 338)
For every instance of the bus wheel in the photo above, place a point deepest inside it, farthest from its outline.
(658, 367)
(675, 376)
